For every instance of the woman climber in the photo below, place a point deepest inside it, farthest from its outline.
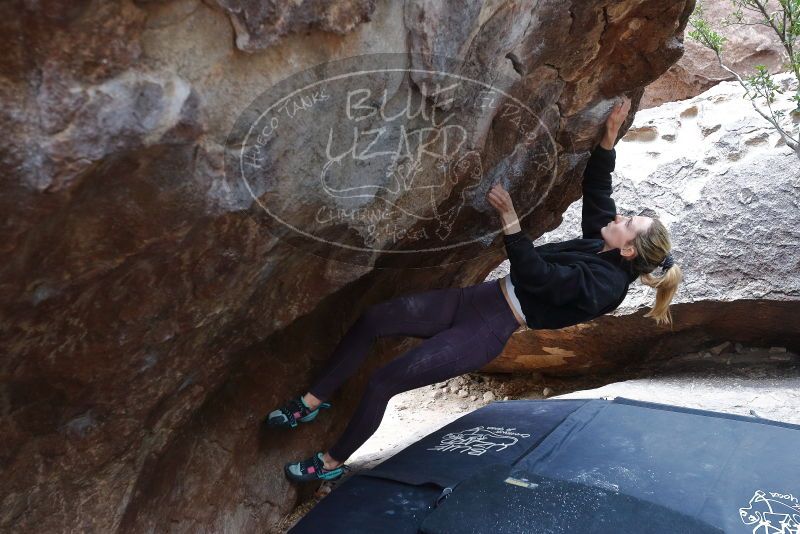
(549, 286)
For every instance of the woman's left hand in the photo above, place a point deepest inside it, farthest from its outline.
(617, 117)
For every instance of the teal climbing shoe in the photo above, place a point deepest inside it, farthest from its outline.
(293, 412)
(312, 469)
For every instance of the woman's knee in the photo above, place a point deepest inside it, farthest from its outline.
(381, 385)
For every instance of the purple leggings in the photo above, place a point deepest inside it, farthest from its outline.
(464, 329)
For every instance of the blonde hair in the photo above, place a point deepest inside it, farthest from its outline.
(652, 247)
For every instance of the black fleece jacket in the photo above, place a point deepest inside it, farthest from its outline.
(566, 283)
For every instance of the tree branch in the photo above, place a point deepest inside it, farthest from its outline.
(790, 142)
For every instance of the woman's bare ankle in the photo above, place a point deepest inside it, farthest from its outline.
(311, 401)
(329, 462)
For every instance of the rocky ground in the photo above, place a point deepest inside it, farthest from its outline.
(755, 381)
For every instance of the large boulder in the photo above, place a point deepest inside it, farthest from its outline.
(758, 382)
(152, 312)
(698, 70)
(726, 186)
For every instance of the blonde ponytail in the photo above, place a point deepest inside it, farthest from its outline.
(652, 248)
(665, 286)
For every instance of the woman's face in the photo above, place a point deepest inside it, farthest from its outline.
(620, 232)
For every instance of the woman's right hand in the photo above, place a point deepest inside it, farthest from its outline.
(501, 201)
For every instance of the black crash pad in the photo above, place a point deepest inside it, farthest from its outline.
(734, 473)
(502, 499)
(500, 432)
(731, 471)
(370, 505)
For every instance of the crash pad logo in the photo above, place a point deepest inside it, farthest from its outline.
(770, 512)
(388, 153)
(478, 440)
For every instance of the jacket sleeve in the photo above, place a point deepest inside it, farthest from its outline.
(598, 206)
(580, 285)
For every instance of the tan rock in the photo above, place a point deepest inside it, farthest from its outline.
(698, 69)
(719, 349)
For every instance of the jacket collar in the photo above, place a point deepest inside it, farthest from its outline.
(592, 246)
(614, 256)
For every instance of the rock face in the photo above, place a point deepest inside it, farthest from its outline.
(698, 70)
(262, 24)
(150, 313)
(726, 187)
